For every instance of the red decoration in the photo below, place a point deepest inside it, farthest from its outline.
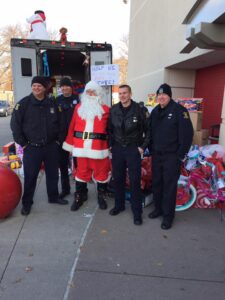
(146, 174)
(63, 37)
(10, 191)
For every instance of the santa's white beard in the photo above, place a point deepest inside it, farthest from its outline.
(90, 108)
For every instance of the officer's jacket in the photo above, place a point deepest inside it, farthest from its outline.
(171, 130)
(35, 121)
(129, 128)
(66, 107)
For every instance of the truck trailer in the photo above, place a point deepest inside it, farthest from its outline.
(56, 59)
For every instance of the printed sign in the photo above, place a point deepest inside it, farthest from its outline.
(105, 74)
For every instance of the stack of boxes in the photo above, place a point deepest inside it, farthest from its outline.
(194, 106)
(200, 135)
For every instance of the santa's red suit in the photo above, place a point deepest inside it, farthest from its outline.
(87, 140)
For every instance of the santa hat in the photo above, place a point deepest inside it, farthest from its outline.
(93, 86)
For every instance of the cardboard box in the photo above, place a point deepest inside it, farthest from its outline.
(196, 119)
(201, 137)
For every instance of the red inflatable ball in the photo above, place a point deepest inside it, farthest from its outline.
(10, 191)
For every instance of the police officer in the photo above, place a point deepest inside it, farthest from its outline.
(66, 103)
(128, 138)
(35, 126)
(171, 134)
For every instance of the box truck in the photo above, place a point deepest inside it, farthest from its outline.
(56, 59)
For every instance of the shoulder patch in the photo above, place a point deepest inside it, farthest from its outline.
(17, 106)
(185, 115)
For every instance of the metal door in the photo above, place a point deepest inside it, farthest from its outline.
(24, 67)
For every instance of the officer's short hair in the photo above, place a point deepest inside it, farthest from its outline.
(122, 86)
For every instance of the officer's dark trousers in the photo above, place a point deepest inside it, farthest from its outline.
(32, 160)
(64, 165)
(165, 174)
(122, 158)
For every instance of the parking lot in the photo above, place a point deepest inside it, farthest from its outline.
(5, 132)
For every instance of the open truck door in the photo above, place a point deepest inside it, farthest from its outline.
(24, 67)
(103, 58)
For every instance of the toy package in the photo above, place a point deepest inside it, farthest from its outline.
(191, 104)
(152, 101)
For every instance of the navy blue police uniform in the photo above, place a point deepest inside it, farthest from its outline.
(127, 131)
(35, 126)
(66, 107)
(171, 135)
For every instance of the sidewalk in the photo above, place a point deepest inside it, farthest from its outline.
(37, 252)
(58, 254)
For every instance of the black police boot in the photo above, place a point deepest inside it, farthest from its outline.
(59, 201)
(25, 210)
(166, 223)
(115, 211)
(78, 201)
(155, 214)
(63, 194)
(102, 190)
(138, 220)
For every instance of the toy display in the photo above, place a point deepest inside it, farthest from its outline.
(191, 104)
(202, 181)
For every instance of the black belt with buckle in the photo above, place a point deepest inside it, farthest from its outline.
(90, 135)
(37, 144)
(43, 144)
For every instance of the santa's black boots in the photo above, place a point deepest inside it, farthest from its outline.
(80, 195)
(78, 201)
(102, 188)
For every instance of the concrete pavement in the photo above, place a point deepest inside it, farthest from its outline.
(122, 261)
(58, 254)
(37, 252)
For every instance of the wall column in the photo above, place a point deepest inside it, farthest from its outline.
(222, 125)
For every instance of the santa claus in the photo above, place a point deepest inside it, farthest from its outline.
(87, 139)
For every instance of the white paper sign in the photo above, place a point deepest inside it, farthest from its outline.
(105, 74)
